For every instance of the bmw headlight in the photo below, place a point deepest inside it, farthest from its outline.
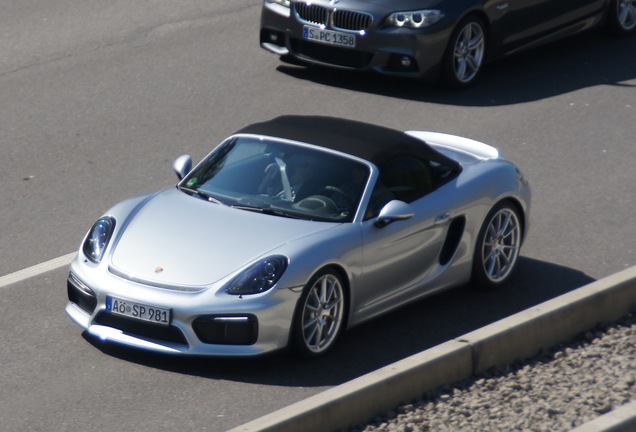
(98, 238)
(259, 277)
(280, 2)
(415, 19)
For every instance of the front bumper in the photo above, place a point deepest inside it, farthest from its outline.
(202, 323)
(389, 51)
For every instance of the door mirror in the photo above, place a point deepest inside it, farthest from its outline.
(394, 211)
(182, 166)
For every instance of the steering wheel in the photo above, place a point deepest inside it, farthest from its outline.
(318, 203)
(340, 193)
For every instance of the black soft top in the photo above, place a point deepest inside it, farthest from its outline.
(374, 143)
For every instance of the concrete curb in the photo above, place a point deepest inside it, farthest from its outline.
(622, 419)
(517, 337)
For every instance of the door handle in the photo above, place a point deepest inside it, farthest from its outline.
(442, 219)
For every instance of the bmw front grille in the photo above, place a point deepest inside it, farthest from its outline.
(340, 19)
(312, 14)
(350, 20)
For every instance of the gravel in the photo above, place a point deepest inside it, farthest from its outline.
(557, 390)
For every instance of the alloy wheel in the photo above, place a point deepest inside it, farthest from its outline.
(322, 314)
(501, 245)
(627, 14)
(468, 54)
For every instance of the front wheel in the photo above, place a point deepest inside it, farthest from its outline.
(621, 19)
(465, 53)
(319, 318)
(497, 248)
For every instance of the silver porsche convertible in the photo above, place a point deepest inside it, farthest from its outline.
(294, 229)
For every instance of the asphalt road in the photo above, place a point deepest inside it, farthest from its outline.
(98, 98)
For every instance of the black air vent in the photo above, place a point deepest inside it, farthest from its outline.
(454, 235)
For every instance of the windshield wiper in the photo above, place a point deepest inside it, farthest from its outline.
(267, 211)
(188, 190)
(211, 198)
(202, 194)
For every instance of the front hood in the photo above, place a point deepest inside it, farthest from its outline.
(383, 5)
(178, 240)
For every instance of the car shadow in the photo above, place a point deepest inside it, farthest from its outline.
(383, 341)
(589, 59)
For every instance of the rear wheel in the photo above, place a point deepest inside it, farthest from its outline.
(465, 54)
(497, 247)
(622, 17)
(319, 318)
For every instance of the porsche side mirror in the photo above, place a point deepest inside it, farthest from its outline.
(394, 211)
(182, 166)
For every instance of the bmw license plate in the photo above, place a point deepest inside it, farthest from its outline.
(138, 311)
(329, 37)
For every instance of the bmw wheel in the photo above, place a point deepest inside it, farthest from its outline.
(319, 318)
(622, 17)
(465, 54)
(497, 247)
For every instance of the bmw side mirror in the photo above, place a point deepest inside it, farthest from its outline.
(394, 211)
(182, 166)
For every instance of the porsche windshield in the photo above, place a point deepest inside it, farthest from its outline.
(280, 178)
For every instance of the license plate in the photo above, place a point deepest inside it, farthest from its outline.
(329, 37)
(138, 311)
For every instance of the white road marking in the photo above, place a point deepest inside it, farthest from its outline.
(36, 270)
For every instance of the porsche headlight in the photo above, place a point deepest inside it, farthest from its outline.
(259, 277)
(98, 238)
(280, 2)
(415, 19)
